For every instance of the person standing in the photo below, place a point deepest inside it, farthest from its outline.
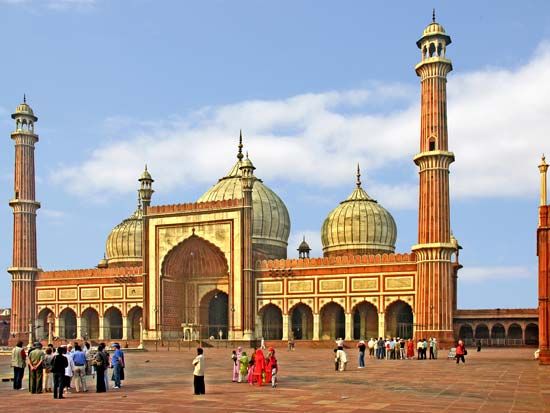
(243, 367)
(402, 351)
(370, 345)
(35, 360)
(419, 348)
(410, 349)
(250, 377)
(361, 346)
(434, 347)
(259, 366)
(18, 361)
(272, 368)
(48, 375)
(236, 366)
(342, 358)
(424, 348)
(59, 364)
(117, 361)
(69, 370)
(198, 373)
(460, 352)
(431, 346)
(79, 360)
(100, 363)
(478, 345)
(262, 343)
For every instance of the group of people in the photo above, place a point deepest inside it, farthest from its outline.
(399, 348)
(57, 370)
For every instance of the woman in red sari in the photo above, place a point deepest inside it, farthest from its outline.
(259, 366)
(269, 364)
(410, 349)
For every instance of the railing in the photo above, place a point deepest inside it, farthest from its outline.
(497, 342)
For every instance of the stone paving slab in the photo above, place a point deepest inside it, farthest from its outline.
(495, 380)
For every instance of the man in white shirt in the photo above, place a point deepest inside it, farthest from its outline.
(198, 373)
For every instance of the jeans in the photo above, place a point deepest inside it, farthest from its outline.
(18, 373)
(58, 381)
(361, 359)
(460, 357)
(116, 374)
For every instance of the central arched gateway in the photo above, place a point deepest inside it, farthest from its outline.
(301, 318)
(399, 320)
(187, 270)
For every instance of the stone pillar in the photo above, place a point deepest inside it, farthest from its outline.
(285, 326)
(79, 327)
(101, 327)
(543, 252)
(316, 327)
(56, 327)
(381, 325)
(125, 328)
(349, 326)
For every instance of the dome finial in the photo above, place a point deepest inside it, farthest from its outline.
(358, 182)
(24, 98)
(433, 15)
(240, 153)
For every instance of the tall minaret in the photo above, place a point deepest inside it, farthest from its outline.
(434, 305)
(543, 253)
(24, 264)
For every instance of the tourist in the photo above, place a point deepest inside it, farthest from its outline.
(18, 361)
(259, 366)
(402, 351)
(235, 366)
(262, 343)
(336, 361)
(361, 346)
(220, 334)
(460, 352)
(243, 368)
(250, 376)
(86, 351)
(372, 347)
(59, 364)
(342, 358)
(478, 345)
(410, 349)
(79, 360)
(35, 360)
(69, 369)
(100, 363)
(48, 375)
(433, 348)
(107, 367)
(387, 345)
(271, 368)
(392, 349)
(118, 363)
(340, 343)
(419, 348)
(424, 348)
(198, 373)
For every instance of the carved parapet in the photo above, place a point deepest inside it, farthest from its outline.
(119, 272)
(194, 206)
(335, 260)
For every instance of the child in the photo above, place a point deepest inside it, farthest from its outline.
(243, 366)
(274, 368)
(251, 367)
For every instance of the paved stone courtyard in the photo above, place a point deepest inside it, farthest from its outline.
(495, 380)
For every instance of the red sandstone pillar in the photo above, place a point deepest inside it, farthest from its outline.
(543, 252)
(24, 260)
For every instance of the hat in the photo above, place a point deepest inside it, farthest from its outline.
(37, 344)
(115, 345)
(362, 342)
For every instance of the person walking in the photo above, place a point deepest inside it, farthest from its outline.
(35, 360)
(198, 373)
(100, 362)
(79, 360)
(460, 352)
(478, 345)
(47, 372)
(59, 364)
(18, 362)
(118, 363)
(361, 346)
(236, 366)
(342, 358)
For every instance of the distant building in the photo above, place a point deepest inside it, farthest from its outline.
(219, 267)
(5, 315)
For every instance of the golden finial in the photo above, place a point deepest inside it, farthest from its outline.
(433, 15)
(240, 153)
(358, 182)
(543, 167)
(24, 98)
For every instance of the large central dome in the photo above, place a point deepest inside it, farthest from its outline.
(271, 226)
(359, 225)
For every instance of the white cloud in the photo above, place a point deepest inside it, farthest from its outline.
(498, 126)
(480, 274)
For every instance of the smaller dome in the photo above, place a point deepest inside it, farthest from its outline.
(145, 176)
(124, 242)
(304, 246)
(24, 109)
(433, 28)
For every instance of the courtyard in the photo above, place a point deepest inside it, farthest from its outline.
(494, 380)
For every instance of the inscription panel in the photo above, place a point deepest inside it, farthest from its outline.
(305, 286)
(134, 291)
(89, 293)
(67, 294)
(46, 295)
(332, 285)
(398, 283)
(112, 292)
(270, 287)
(364, 284)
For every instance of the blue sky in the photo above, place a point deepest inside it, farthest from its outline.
(316, 87)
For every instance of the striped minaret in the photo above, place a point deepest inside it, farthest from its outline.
(24, 262)
(434, 301)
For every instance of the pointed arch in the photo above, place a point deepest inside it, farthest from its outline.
(399, 319)
(67, 324)
(333, 321)
(365, 320)
(301, 320)
(134, 323)
(90, 324)
(42, 328)
(272, 322)
(112, 324)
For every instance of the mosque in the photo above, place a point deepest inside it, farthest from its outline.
(218, 267)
